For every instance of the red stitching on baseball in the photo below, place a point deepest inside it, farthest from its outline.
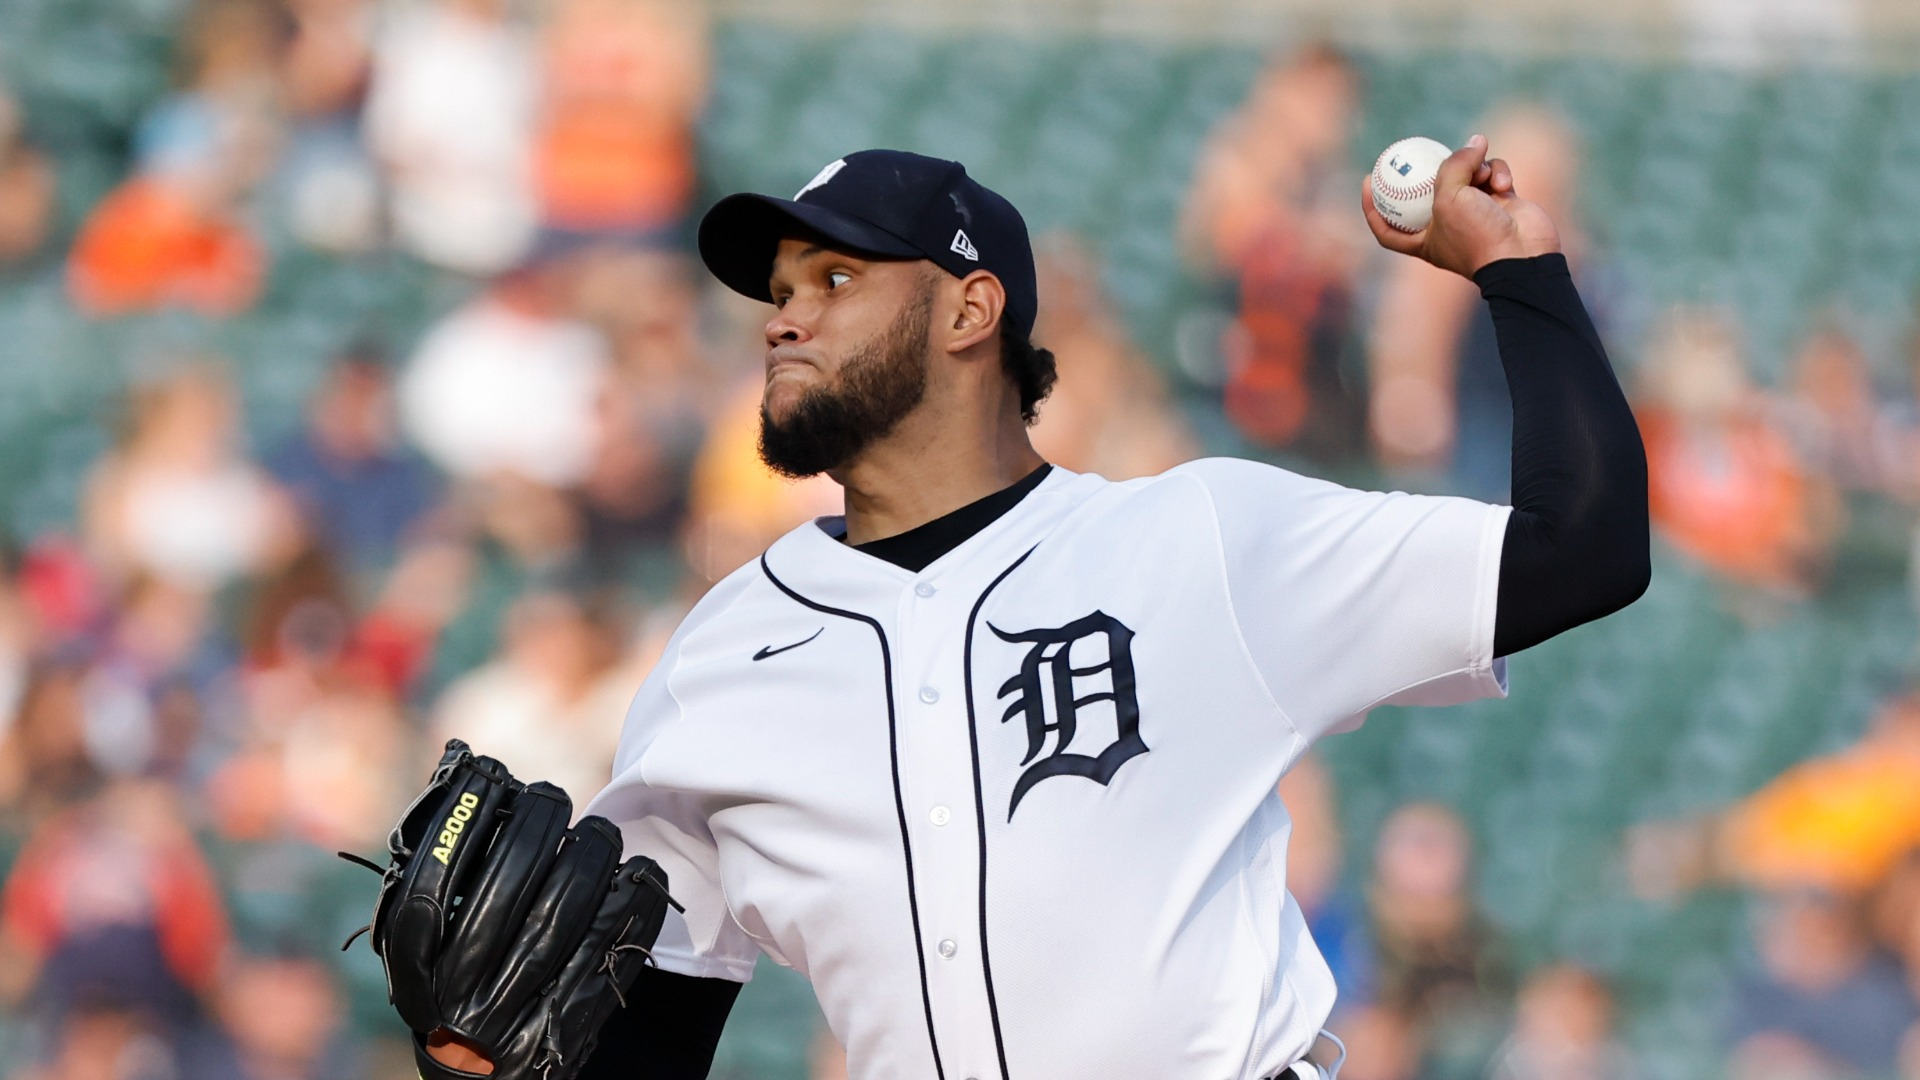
(1424, 187)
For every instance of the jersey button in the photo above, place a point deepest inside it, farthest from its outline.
(947, 949)
(929, 695)
(923, 590)
(940, 815)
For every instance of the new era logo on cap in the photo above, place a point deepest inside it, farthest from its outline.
(963, 247)
(822, 176)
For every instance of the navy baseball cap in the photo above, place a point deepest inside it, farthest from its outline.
(886, 203)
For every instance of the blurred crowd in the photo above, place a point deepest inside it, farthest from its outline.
(237, 659)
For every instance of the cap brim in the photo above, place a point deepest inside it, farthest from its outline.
(739, 236)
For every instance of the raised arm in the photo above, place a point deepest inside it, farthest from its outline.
(1576, 544)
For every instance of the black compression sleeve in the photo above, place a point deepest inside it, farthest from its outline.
(667, 1031)
(1576, 545)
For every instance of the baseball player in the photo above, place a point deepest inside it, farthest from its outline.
(991, 757)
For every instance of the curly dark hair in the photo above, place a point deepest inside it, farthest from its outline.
(1029, 366)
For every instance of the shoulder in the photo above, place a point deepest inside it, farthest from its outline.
(1208, 486)
(1227, 483)
(722, 598)
(1229, 473)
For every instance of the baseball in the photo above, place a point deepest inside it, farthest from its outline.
(1403, 182)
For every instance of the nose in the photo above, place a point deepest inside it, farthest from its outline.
(786, 326)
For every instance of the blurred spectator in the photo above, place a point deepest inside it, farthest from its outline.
(1823, 1001)
(1272, 209)
(1725, 485)
(451, 116)
(1336, 918)
(509, 383)
(160, 631)
(625, 80)
(359, 489)
(1108, 413)
(295, 631)
(427, 589)
(1381, 1044)
(1439, 395)
(19, 638)
(1437, 963)
(1564, 1030)
(551, 703)
(44, 763)
(739, 506)
(174, 234)
(59, 589)
(331, 772)
(176, 499)
(112, 898)
(27, 187)
(1836, 422)
(280, 1018)
(329, 59)
(111, 1038)
(1841, 823)
(330, 181)
(659, 395)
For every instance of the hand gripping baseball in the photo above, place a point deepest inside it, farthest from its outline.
(502, 930)
(1478, 217)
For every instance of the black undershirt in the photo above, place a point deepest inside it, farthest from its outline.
(1575, 549)
(916, 548)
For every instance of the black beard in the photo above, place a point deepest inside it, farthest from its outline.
(880, 382)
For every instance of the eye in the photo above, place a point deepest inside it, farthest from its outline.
(779, 300)
(838, 278)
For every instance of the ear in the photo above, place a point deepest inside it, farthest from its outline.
(982, 300)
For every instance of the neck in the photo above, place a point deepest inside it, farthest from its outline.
(932, 465)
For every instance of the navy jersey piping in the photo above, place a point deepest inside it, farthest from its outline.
(899, 802)
(979, 804)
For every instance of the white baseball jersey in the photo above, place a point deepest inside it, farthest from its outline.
(1014, 815)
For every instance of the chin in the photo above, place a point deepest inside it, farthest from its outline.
(778, 406)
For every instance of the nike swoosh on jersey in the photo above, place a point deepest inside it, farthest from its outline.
(768, 650)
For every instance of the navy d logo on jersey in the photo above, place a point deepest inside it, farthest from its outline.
(1046, 694)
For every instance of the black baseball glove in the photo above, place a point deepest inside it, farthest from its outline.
(500, 925)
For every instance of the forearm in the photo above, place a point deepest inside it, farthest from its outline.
(1576, 544)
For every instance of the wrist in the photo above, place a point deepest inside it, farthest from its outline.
(1510, 249)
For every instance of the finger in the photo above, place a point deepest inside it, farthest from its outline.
(1482, 175)
(1499, 177)
(1458, 170)
(1389, 237)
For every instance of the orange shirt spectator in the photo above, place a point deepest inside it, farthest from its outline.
(1840, 823)
(1735, 498)
(625, 81)
(147, 245)
(1723, 481)
(1271, 207)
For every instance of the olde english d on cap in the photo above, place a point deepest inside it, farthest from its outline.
(886, 203)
